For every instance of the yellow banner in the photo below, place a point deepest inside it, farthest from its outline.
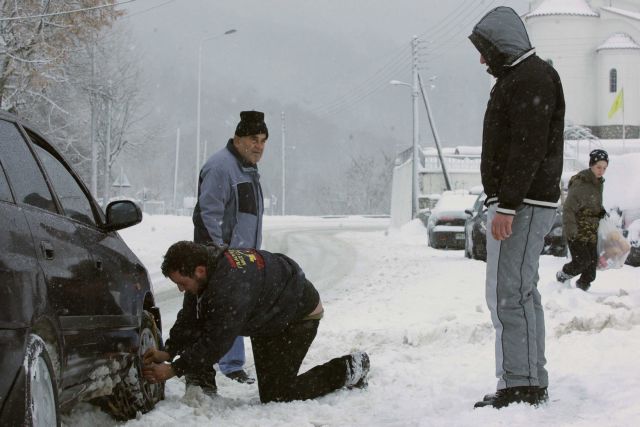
(618, 103)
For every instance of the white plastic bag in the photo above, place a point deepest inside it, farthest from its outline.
(613, 248)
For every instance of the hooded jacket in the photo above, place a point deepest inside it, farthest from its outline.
(248, 293)
(583, 207)
(522, 141)
(230, 202)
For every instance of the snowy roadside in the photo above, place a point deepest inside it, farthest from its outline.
(421, 315)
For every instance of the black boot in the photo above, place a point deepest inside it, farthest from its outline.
(584, 286)
(543, 395)
(507, 396)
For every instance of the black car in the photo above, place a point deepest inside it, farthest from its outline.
(475, 230)
(76, 305)
(634, 254)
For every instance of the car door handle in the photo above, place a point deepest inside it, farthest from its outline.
(47, 249)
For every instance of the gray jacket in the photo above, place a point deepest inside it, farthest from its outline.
(230, 203)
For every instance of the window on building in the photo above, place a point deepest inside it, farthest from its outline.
(613, 80)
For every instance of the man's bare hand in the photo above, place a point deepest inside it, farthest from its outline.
(501, 226)
(155, 356)
(157, 372)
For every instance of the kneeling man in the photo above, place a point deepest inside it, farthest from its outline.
(254, 293)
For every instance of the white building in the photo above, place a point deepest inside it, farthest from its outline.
(463, 167)
(594, 46)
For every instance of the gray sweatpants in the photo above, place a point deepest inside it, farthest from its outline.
(513, 297)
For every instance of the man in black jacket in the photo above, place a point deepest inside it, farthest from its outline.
(247, 292)
(521, 165)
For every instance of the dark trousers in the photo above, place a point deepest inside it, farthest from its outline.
(278, 359)
(584, 261)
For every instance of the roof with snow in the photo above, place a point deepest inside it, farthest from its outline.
(619, 41)
(563, 7)
(633, 15)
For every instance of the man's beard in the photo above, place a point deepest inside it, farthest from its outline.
(202, 283)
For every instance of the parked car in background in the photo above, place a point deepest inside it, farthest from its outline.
(446, 222)
(631, 230)
(555, 242)
(633, 236)
(76, 306)
(426, 203)
(475, 230)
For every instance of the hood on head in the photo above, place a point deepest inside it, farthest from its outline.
(501, 38)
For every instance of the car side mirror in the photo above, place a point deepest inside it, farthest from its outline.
(122, 214)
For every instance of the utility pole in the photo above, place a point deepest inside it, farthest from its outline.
(416, 128)
(175, 171)
(436, 138)
(107, 152)
(197, 168)
(94, 146)
(283, 161)
(199, 99)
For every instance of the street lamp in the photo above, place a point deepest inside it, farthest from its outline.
(416, 136)
(204, 39)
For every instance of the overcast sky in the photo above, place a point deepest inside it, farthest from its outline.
(325, 63)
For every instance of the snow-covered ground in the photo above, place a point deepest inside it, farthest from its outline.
(420, 314)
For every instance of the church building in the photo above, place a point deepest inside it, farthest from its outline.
(594, 46)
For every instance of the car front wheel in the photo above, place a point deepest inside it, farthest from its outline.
(134, 394)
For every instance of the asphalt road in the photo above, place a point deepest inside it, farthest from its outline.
(317, 247)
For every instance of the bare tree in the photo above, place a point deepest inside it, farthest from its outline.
(364, 188)
(37, 37)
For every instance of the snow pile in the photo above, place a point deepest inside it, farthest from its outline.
(622, 182)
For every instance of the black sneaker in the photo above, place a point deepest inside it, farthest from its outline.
(507, 396)
(206, 382)
(543, 395)
(563, 277)
(357, 370)
(241, 376)
(584, 286)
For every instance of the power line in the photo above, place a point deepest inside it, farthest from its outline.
(394, 58)
(66, 12)
(389, 68)
(372, 85)
(147, 10)
(355, 99)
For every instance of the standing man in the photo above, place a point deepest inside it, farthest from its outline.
(229, 212)
(231, 292)
(521, 164)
